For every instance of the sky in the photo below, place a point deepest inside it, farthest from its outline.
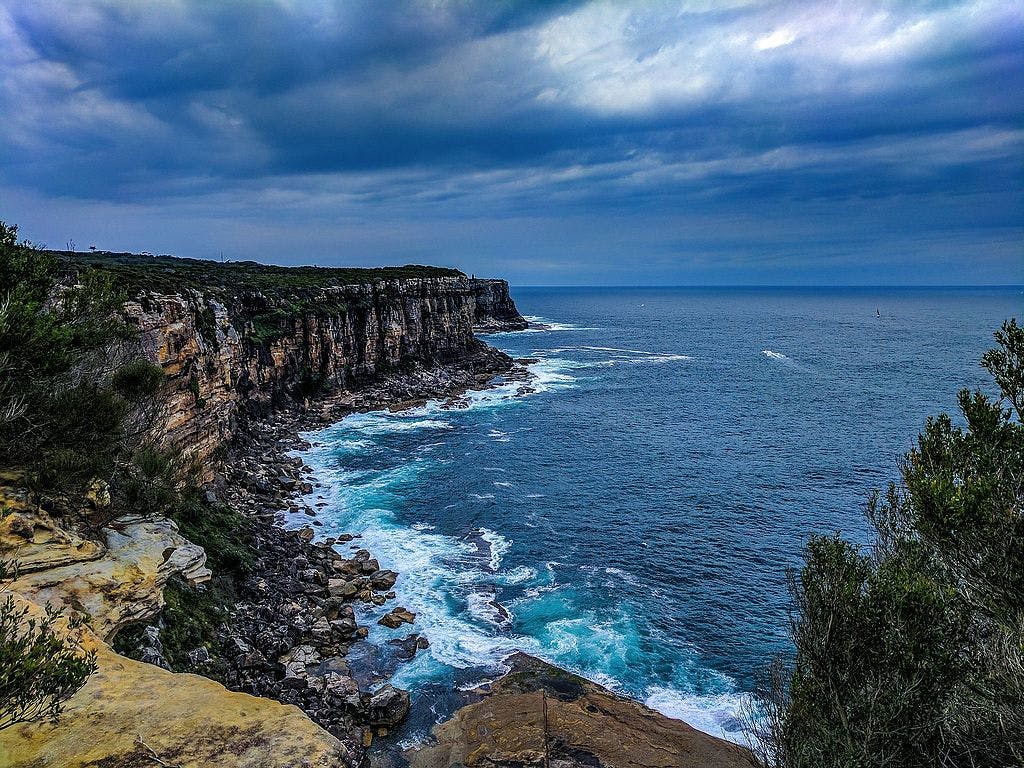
(739, 142)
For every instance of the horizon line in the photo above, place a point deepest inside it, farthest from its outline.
(803, 286)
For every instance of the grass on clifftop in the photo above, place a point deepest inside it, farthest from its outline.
(134, 273)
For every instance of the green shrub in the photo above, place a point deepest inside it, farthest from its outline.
(59, 416)
(138, 379)
(39, 671)
(912, 656)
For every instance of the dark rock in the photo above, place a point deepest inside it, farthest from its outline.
(397, 617)
(382, 581)
(386, 707)
(408, 646)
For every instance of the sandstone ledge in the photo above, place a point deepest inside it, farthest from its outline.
(587, 727)
(128, 712)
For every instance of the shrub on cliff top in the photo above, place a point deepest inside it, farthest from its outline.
(71, 408)
(38, 670)
(913, 654)
(59, 416)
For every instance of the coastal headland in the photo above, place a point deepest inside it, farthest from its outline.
(197, 669)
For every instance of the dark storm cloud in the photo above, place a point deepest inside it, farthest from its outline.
(436, 112)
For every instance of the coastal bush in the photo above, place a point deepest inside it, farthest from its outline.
(194, 616)
(59, 415)
(137, 379)
(38, 670)
(912, 654)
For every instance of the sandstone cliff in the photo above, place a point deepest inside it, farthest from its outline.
(231, 357)
(235, 342)
(495, 311)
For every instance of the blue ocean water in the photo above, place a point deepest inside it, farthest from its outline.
(632, 517)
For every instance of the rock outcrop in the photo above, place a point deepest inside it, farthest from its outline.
(540, 715)
(113, 582)
(130, 713)
(495, 311)
(133, 715)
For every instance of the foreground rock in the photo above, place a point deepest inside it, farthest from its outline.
(587, 727)
(132, 714)
(115, 582)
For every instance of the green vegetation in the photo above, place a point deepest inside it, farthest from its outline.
(64, 403)
(38, 671)
(195, 616)
(167, 274)
(913, 654)
(75, 413)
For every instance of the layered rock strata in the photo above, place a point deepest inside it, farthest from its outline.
(495, 311)
(229, 361)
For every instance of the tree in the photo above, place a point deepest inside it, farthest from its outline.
(74, 401)
(912, 654)
(39, 670)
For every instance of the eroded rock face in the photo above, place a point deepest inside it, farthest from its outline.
(33, 539)
(587, 727)
(132, 714)
(227, 363)
(495, 310)
(114, 583)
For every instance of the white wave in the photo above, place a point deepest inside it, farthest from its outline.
(477, 683)
(543, 325)
(354, 445)
(517, 575)
(625, 576)
(384, 422)
(620, 356)
(774, 355)
(717, 714)
(499, 546)
(482, 496)
(484, 606)
(501, 484)
(605, 349)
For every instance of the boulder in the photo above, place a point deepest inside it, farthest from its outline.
(384, 708)
(341, 588)
(396, 617)
(382, 581)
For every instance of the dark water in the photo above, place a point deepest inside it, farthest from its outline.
(633, 518)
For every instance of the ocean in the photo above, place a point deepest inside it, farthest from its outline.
(631, 512)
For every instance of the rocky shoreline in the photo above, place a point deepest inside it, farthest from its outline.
(294, 623)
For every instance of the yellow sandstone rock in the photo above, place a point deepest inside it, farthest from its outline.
(582, 723)
(115, 583)
(131, 714)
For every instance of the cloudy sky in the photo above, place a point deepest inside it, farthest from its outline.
(687, 142)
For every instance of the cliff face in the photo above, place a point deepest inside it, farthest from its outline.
(230, 359)
(495, 310)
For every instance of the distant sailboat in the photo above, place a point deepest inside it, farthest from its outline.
(878, 312)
